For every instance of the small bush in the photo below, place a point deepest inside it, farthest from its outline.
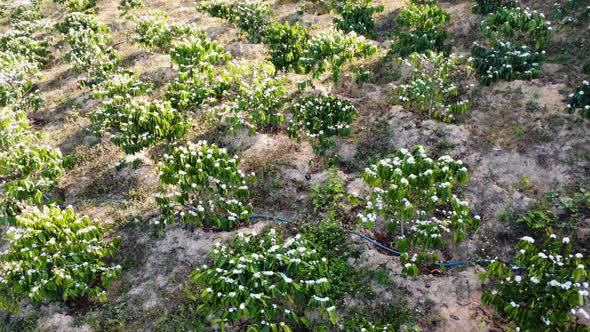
(329, 51)
(485, 7)
(357, 16)
(251, 17)
(580, 100)
(506, 61)
(413, 195)
(264, 283)
(522, 25)
(422, 30)
(202, 182)
(286, 43)
(125, 6)
(545, 295)
(320, 118)
(433, 86)
(54, 255)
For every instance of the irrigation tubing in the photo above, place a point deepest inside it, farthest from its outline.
(356, 233)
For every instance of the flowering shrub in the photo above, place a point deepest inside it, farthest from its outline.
(16, 74)
(413, 195)
(286, 43)
(256, 102)
(248, 16)
(153, 32)
(125, 6)
(491, 6)
(24, 11)
(264, 283)
(54, 255)
(27, 169)
(517, 23)
(24, 43)
(205, 181)
(545, 295)
(580, 99)
(432, 88)
(198, 78)
(357, 16)
(423, 30)
(572, 12)
(321, 117)
(136, 125)
(506, 61)
(332, 49)
(78, 5)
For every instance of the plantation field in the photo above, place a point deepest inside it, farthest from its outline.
(294, 165)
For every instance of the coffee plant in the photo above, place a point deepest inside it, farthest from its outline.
(412, 195)
(16, 74)
(199, 76)
(264, 283)
(506, 61)
(55, 255)
(24, 43)
(125, 6)
(137, 124)
(485, 7)
(27, 169)
(422, 30)
(286, 43)
(255, 102)
(580, 99)
(25, 12)
(250, 17)
(518, 24)
(545, 294)
(432, 88)
(78, 5)
(320, 118)
(153, 32)
(329, 51)
(572, 12)
(357, 16)
(201, 182)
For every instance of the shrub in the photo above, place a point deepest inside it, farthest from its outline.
(135, 125)
(78, 5)
(580, 99)
(125, 6)
(17, 74)
(433, 86)
(54, 255)
(572, 12)
(27, 169)
(264, 283)
(546, 293)
(485, 7)
(153, 32)
(321, 117)
(80, 21)
(413, 195)
(520, 24)
(27, 12)
(357, 16)
(257, 101)
(23, 43)
(205, 181)
(198, 78)
(329, 51)
(423, 30)
(286, 43)
(249, 16)
(506, 61)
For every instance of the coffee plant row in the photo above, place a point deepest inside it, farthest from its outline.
(54, 255)
(412, 196)
(264, 282)
(517, 24)
(432, 87)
